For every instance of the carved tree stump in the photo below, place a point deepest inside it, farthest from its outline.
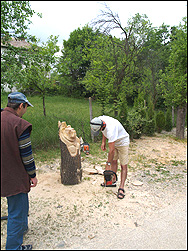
(71, 172)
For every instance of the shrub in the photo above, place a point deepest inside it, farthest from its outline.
(160, 121)
(168, 120)
(134, 124)
(149, 128)
(123, 112)
(139, 105)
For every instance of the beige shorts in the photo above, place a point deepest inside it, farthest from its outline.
(121, 153)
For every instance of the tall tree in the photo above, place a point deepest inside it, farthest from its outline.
(99, 78)
(15, 19)
(39, 64)
(174, 84)
(75, 60)
(154, 58)
(124, 52)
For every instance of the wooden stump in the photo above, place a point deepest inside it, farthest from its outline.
(71, 172)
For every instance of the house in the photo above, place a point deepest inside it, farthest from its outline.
(16, 43)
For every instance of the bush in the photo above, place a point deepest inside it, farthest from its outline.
(134, 124)
(168, 120)
(123, 112)
(139, 105)
(149, 128)
(160, 121)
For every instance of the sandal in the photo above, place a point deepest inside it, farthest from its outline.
(108, 184)
(121, 195)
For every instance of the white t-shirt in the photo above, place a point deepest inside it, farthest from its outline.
(114, 131)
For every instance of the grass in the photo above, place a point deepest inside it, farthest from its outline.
(74, 112)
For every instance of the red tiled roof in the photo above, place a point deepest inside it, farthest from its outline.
(17, 43)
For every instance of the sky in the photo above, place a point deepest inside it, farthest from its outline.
(63, 17)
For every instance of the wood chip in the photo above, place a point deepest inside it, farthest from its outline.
(90, 171)
(93, 183)
(137, 183)
(91, 236)
(99, 169)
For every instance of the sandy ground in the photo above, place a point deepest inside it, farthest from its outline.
(76, 216)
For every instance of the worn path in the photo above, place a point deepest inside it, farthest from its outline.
(164, 230)
(87, 216)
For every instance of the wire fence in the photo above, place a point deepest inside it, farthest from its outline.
(47, 134)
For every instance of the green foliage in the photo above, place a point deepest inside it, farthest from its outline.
(149, 128)
(74, 112)
(39, 62)
(160, 121)
(75, 61)
(168, 120)
(174, 81)
(150, 109)
(123, 113)
(138, 120)
(15, 19)
(111, 70)
(114, 62)
(134, 124)
(100, 76)
(10, 67)
(139, 104)
(154, 57)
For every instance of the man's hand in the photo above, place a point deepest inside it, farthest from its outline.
(103, 146)
(34, 182)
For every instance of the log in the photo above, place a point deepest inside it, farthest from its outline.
(70, 171)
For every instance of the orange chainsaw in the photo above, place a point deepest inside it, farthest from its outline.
(84, 146)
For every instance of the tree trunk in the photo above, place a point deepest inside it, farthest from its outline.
(44, 109)
(180, 122)
(71, 172)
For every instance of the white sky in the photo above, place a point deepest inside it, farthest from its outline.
(63, 17)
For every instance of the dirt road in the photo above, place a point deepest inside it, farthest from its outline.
(165, 229)
(87, 216)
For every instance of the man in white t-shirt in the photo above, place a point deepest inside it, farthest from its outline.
(118, 142)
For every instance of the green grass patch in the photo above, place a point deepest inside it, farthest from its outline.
(177, 162)
(74, 112)
(48, 154)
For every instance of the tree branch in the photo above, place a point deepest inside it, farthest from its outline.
(108, 21)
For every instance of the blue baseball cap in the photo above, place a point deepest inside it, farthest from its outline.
(18, 97)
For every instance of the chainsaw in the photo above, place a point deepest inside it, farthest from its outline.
(84, 146)
(108, 175)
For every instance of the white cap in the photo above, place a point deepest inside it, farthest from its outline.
(96, 125)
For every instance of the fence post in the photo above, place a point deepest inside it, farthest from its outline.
(91, 116)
